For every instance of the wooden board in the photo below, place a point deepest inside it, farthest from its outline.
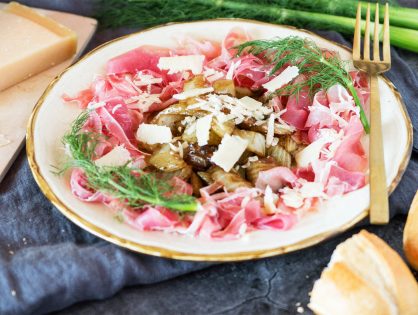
(17, 102)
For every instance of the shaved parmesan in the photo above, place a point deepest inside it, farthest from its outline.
(94, 105)
(292, 198)
(146, 79)
(283, 78)
(229, 152)
(143, 101)
(310, 153)
(231, 70)
(250, 103)
(212, 75)
(313, 151)
(202, 129)
(192, 93)
(114, 109)
(270, 130)
(152, 134)
(118, 156)
(312, 189)
(181, 63)
(270, 200)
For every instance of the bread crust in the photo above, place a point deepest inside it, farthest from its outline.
(410, 234)
(403, 281)
(392, 290)
(340, 291)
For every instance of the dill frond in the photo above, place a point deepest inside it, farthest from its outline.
(321, 70)
(132, 186)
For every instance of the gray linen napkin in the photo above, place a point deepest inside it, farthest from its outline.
(48, 263)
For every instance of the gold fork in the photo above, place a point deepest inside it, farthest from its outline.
(379, 208)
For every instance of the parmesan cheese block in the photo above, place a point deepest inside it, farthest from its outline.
(31, 43)
(117, 157)
(229, 152)
(153, 134)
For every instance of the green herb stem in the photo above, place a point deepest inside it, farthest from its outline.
(131, 186)
(320, 72)
(349, 85)
(145, 13)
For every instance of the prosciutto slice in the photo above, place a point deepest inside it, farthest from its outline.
(133, 89)
(80, 189)
(141, 58)
(276, 178)
(82, 99)
(350, 154)
(117, 129)
(153, 218)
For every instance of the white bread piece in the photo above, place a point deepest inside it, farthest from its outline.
(340, 291)
(365, 270)
(410, 234)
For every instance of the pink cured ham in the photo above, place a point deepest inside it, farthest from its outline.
(128, 121)
(319, 113)
(233, 229)
(350, 154)
(79, 188)
(234, 37)
(191, 46)
(341, 181)
(276, 222)
(251, 72)
(337, 180)
(93, 123)
(141, 58)
(117, 128)
(153, 218)
(181, 187)
(110, 87)
(275, 178)
(118, 103)
(297, 110)
(83, 98)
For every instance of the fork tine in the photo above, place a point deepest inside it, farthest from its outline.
(366, 44)
(376, 52)
(386, 36)
(357, 34)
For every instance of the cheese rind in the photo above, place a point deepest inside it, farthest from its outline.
(31, 43)
(229, 152)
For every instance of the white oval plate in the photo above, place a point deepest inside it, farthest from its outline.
(51, 119)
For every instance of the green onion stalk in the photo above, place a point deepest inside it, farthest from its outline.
(399, 16)
(145, 13)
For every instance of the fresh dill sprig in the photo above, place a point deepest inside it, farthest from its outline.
(132, 186)
(322, 70)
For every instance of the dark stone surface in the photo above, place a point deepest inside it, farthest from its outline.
(269, 286)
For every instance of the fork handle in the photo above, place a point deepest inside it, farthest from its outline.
(379, 208)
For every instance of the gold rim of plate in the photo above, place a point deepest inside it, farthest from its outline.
(163, 252)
